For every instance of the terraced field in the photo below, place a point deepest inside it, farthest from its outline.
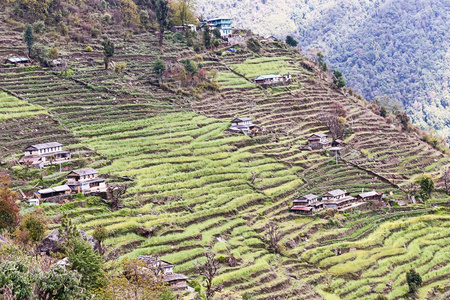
(24, 124)
(198, 189)
(377, 264)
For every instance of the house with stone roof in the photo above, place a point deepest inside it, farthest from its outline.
(41, 155)
(176, 282)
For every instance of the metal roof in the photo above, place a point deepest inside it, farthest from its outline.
(270, 76)
(44, 145)
(318, 134)
(17, 59)
(335, 193)
(368, 194)
(309, 197)
(174, 276)
(243, 119)
(59, 188)
(85, 171)
(155, 262)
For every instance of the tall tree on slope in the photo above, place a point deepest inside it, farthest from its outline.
(162, 9)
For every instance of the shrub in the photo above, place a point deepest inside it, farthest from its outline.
(88, 49)
(120, 67)
(365, 152)
(53, 52)
(221, 259)
(39, 26)
(178, 37)
(92, 201)
(190, 66)
(95, 32)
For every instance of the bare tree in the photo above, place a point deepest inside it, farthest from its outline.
(272, 236)
(209, 269)
(446, 177)
(114, 193)
(338, 109)
(333, 123)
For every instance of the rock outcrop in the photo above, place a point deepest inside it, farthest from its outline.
(52, 242)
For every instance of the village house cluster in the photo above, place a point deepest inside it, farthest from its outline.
(78, 181)
(335, 199)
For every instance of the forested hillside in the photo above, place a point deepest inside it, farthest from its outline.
(384, 47)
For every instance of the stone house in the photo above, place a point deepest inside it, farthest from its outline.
(41, 155)
(272, 79)
(85, 181)
(318, 141)
(176, 282)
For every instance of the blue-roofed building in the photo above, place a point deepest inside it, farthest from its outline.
(223, 24)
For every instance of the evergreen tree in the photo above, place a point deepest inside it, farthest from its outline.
(414, 280)
(88, 262)
(338, 79)
(291, 41)
(162, 17)
(216, 33)
(108, 51)
(207, 37)
(322, 63)
(29, 38)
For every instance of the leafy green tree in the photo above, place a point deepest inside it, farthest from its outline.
(9, 212)
(414, 280)
(58, 284)
(183, 12)
(291, 41)
(88, 262)
(162, 17)
(426, 184)
(129, 12)
(190, 66)
(108, 51)
(100, 234)
(32, 227)
(29, 38)
(207, 37)
(216, 33)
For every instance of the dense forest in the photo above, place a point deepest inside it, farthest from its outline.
(397, 48)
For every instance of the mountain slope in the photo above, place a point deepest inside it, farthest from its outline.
(395, 48)
(197, 189)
